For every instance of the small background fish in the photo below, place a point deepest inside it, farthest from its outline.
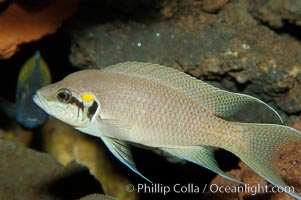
(33, 75)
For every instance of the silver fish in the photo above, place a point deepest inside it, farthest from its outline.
(97, 197)
(163, 108)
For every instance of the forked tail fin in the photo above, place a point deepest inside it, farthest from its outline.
(260, 148)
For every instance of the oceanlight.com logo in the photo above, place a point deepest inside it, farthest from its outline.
(191, 188)
(251, 189)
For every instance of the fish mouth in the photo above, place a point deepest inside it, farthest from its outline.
(37, 99)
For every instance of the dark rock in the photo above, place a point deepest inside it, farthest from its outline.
(28, 174)
(230, 48)
(277, 12)
(290, 102)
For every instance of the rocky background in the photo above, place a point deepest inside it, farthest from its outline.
(246, 46)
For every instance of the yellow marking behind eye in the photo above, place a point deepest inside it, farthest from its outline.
(88, 97)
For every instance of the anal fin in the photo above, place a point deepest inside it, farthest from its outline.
(200, 156)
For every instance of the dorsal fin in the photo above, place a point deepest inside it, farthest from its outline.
(220, 102)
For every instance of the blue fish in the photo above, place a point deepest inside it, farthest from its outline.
(33, 75)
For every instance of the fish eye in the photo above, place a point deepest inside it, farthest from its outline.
(64, 95)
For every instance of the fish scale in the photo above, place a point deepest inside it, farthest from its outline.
(132, 113)
(168, 110)
(156, 106)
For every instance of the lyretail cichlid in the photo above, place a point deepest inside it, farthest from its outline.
(160, 107)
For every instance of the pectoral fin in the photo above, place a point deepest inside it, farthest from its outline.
(200, 156)
(122, 151)
(114, 128)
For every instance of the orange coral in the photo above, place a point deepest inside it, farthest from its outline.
(21, 23)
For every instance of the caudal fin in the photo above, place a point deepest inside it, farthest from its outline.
(260, 148)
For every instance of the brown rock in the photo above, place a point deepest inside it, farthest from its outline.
(212, 6)
(19, 135)
(20, 24)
